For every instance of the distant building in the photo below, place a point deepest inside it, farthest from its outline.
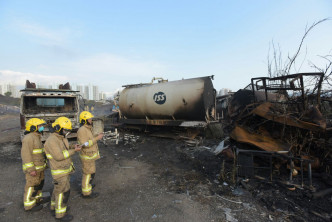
(223, 91)
(95, 93)
(40, 86)
(86, 92)
(55, 86)
(102, 96)
(10, 88)
(80, 89)
(14, 91)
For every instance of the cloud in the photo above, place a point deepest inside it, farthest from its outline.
(56, 40)
(111, 71)
(110, 64)
(44, 34)
(108, 71)
(19, 78)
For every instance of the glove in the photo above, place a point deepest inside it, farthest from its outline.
(86, 144)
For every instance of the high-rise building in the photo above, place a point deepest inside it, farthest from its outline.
(80, 89)
(55, 86)
(13, 90)
(95, 93)
(86, 93)
(102, 96)
(9, 88)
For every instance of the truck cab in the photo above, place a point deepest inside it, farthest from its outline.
(49, 104)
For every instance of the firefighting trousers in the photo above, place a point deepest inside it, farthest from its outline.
(33, 189)
(60, 196)
(88, 169)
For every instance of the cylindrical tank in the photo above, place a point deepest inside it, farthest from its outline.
(188, 99)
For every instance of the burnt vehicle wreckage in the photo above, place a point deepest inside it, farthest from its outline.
(175, 109)
(280, 116)
(188, 102)
(277, 129)
(49, 104)
(285, 120)
(281, 128)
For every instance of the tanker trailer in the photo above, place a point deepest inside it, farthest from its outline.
(187, 102)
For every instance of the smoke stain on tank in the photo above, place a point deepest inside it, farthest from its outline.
(181, 100)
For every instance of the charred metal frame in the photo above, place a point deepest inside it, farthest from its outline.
(267, 86)
(56, 93)
(271, 155)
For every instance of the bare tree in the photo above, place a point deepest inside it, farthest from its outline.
(327, 70)
(275, 65)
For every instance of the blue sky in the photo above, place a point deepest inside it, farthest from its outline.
(114, 43)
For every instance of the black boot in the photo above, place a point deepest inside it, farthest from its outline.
(44, 200)
(36, 208)
(66, 218)
(91, 196)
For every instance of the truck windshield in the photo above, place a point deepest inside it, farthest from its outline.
(35, 105)
(50, 102)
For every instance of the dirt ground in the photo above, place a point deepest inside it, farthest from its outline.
(152, 179)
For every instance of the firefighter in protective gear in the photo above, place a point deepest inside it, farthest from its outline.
(89, 153)
(34, 164)
(58, 153)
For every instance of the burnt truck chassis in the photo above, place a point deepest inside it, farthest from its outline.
(253, 127)
(30, 109)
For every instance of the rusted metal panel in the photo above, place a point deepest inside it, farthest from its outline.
(22, 121)
(265, 110)
(264, 142)
(189, 99)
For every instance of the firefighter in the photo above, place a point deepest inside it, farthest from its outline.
(58, 153)
(89, 153)
(34, 164)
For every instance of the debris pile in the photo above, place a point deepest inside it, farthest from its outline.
(284, 125)
(272, 145)
(130, 139)
(110, 136)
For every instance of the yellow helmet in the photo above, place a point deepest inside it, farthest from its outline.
(33, 123)
(62, 123)
(84, 116)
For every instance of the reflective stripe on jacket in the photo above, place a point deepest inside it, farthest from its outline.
(58, 153)
(91, 152)
(89, 157)
(32, 153)
(28, 202)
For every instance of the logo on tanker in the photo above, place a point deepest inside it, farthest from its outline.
(159, 98)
